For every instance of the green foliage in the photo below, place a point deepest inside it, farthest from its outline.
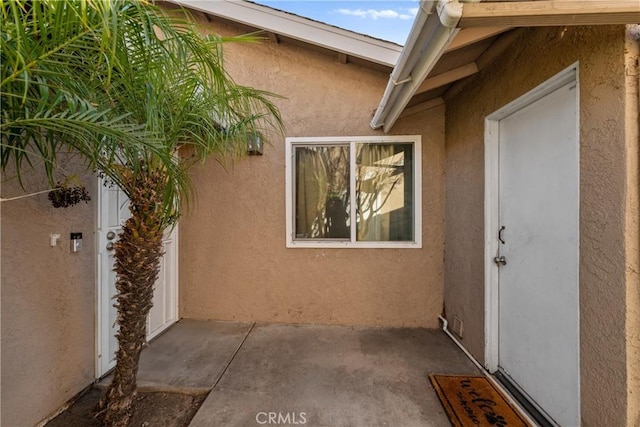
(123, 83)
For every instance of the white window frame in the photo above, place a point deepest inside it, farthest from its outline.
(291, 142)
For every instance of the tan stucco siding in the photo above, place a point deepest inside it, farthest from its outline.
(233, 260)
(534, 57)
(632, 73)
(48, 302)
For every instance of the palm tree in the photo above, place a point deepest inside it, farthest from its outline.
(141, 95)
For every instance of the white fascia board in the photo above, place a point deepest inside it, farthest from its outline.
(299, 28)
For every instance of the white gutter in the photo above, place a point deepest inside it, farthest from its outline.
(433, 30)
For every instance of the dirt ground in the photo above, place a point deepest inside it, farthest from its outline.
(151, 409)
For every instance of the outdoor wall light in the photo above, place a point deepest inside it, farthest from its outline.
(254, 144)
(76, 242)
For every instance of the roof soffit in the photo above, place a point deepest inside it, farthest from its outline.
(480, 38)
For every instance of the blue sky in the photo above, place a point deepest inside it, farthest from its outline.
(384, 19)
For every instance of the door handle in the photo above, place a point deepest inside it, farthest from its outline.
(110, 246)
(500, 234)
(500, 260)
(111, 235)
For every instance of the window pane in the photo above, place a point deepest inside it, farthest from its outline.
(322, 192)
(384, 192)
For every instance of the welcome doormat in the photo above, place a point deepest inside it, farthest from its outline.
(474, 401)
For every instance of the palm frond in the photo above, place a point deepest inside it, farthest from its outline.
(126, 85)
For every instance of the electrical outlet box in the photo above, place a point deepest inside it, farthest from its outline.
(53, 239)
(458, 326)
(76, 242)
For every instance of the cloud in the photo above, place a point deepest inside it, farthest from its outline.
(379, 13)
(413, 11)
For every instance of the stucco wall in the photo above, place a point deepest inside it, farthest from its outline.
(533, 58)
(632, 232)
(48, 302)
(233, 260)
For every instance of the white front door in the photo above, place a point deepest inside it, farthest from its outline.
(536, 256)
(113, 211)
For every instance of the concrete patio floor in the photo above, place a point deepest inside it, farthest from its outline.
(304, 374)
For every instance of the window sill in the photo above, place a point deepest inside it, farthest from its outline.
(315, 244)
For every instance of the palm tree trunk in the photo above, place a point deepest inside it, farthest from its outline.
(138, 253)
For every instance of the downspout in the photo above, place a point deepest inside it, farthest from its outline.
(445, 329)
(427, 41)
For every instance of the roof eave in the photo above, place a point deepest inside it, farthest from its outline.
(433, 30)
(300, 28)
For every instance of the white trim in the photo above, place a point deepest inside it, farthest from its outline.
(491, 224)
(102, 297)
(97, 306)
(352, 185)
(300, 28)
(100, 339)
(416, 140)
(177, 275)
(491, 217)
(288, 191)
(562, 78)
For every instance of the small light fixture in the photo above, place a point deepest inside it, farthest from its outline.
(76, 242)
(254, 144)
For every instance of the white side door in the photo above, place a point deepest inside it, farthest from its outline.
(539, 221)
(113, 211)
(164, 312)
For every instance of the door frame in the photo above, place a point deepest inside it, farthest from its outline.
(491, 200)
(99, 302)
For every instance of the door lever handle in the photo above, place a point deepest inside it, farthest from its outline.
(500, 260)
(500, 234)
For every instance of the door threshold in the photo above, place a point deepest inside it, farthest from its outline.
(493, 379)
(534, 413)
